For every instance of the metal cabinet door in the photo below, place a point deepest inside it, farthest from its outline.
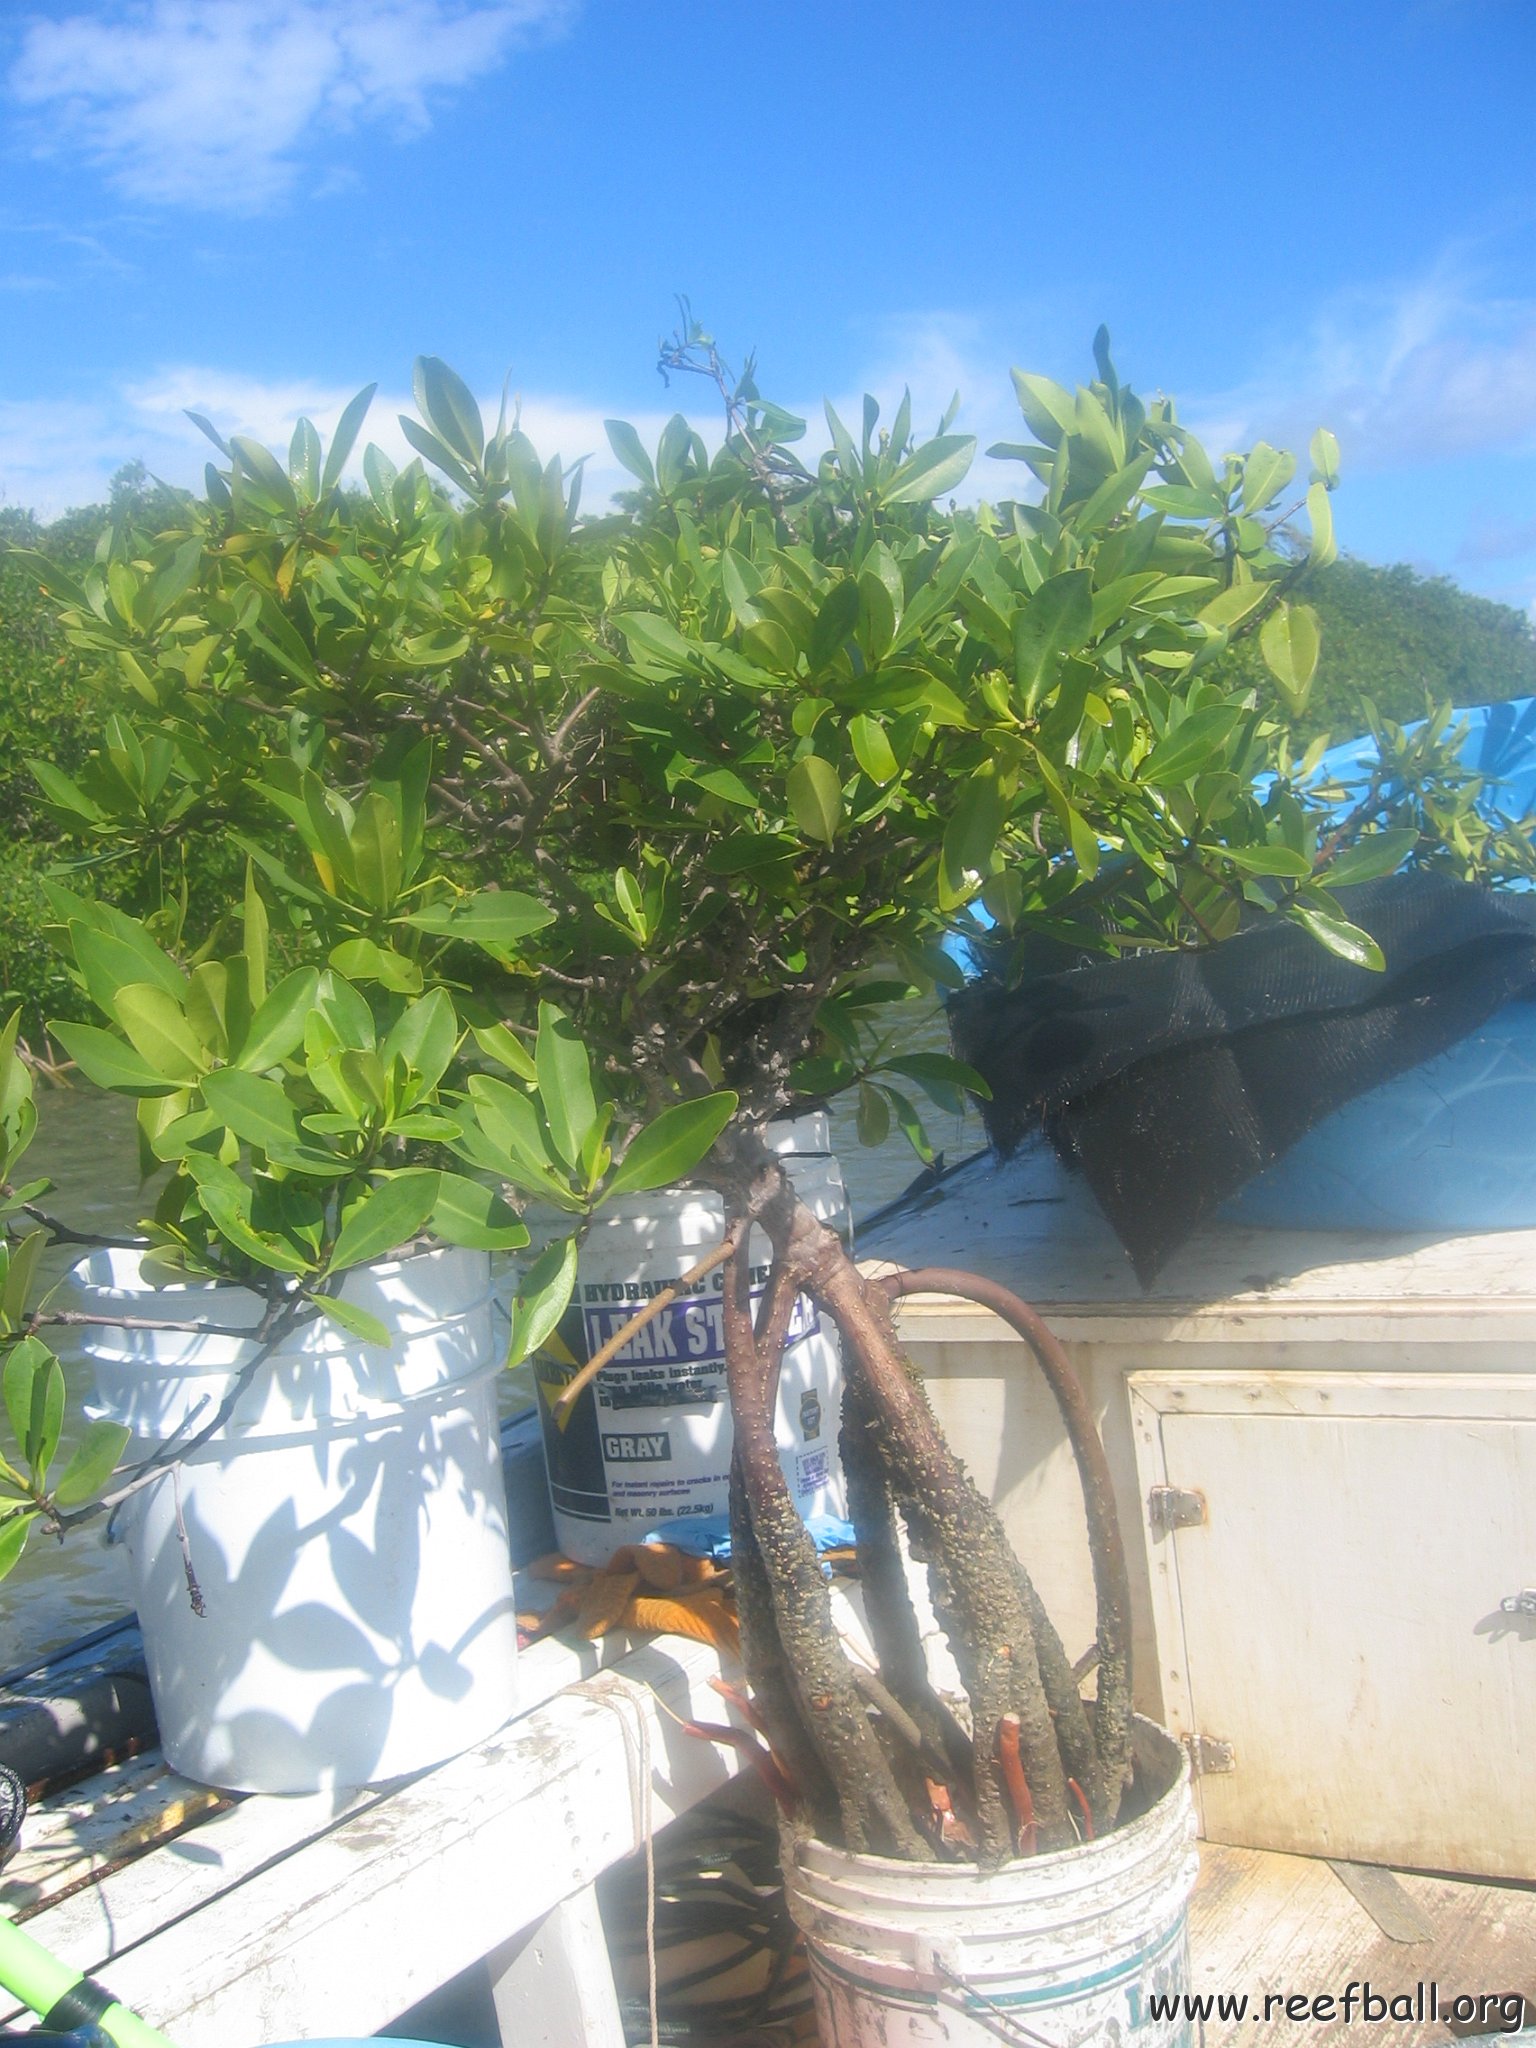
(1330, 1568)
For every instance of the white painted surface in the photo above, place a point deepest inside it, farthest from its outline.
(552, 1985)
(1379, 1545)
(1337, 1617)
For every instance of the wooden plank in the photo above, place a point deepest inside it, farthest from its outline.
(552, 1986)
(119, 1813)
(242, 1863)
(1262, 1923)
(66, 1835)
(379, 1911)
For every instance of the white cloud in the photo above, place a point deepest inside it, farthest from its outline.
(215, 104)
(55, 454)
(1431, 369)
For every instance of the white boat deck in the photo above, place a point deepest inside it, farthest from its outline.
(229, 1922)
(1299, 1928)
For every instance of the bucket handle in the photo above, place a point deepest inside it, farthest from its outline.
(964, 1996)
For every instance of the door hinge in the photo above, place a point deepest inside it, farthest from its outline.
(1176, 1507)
(1208, 1756)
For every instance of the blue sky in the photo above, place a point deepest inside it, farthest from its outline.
(1298, 213)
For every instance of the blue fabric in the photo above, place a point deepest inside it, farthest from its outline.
(710, 1535)
(1500, 746)
(1451, 1145)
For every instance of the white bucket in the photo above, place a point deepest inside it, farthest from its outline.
(347, 1526)
(650, 1441)
(1064, 1950)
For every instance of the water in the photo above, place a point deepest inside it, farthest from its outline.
(87, 1147)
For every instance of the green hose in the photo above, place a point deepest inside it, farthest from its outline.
(41, 1981)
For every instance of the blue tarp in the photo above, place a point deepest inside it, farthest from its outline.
(1451, 1145)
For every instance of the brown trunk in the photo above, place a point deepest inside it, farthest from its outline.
(1015, 1672)
(1112, 1710)
(875, 1813)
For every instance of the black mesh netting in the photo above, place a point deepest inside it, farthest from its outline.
(1171, 1079)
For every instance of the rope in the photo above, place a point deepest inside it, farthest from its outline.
(631, 1702)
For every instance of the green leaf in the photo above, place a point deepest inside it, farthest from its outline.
(1049, 411)
(565, 1083)
(14, 1531)
(507, 1139)
(34, 1401)
(277, 1029)
(357, 1322)
(386, 1218)
(726, 784)
(377, 851)
(672, 1144)
(1266, 472)
(467, 1212)
(836, 618)
(117, 956)
(935, 468)
(226, 1201)
(1347, 940)
(1290, 640)
(1179, 501)
(503, 1045)
(969, 837)
(304, 459)
(872, 749)
(816, 798)
(208, 1006)
(1324, 548)
(873, 1116)
(1377, 854)
(426, 1037)
(542, 1299)
(19, 1275)
(255, 1109)
(254, 943)
(948, 1081)
(1231, 606)
(158, 1031)
(22, 1366)
(67, 795)
(364, 960)
(345, 436)
(492, 917)
(1325, 458)
(379, 473)
(449, 408)
(630, 450)
(265, 470)
(108, 1062)
(1283, 861)
(1056, 621)
(1186, 749)
(437, 452)
(656, 640)
(741, 581)
(94, 1461)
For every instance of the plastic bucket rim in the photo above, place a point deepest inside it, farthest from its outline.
(1158, 1815)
